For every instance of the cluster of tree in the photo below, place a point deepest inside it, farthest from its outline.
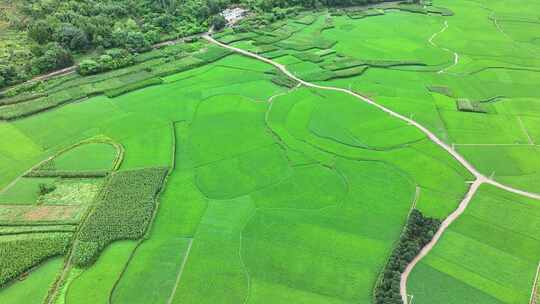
(58, 28)
(418, 232)
(39, 59)
(111, 59)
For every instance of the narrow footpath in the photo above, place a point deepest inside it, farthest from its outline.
(479, 177)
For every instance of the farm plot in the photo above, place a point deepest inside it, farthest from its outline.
(25, 191)
(35, 286)
(95, 284)
(281, 245)
(489, 255)
(86, 157)
(123, 211)
(277, 193)
(50, 214)
(21, 252)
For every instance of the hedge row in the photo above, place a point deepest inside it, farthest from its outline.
(123, 210)
(237, 37)
(317, 42)
(325, 75)
(418, 232)
(356, 71)
(27, 108)
(308, 56)
(70, 94)
(359, 14)
(349, 62)
(418, 8)
(10, 230)
(21, 252)
(275, 54)
(213, 53)
(21, 98)
(67, 174)
(177, 66)
(306, 19)
(284, 81)
(466, 105)
(133, 86)
(100, 80)
(443, 90)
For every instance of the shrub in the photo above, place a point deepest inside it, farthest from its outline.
(111, 60)
(123, 210)
(44, 188)
(218, 22)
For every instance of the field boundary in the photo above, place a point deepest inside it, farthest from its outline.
(479, 177)
(180, 271)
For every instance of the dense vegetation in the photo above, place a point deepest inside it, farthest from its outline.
(418, 232)
(21, 252)
(124, 210)
(58, 31)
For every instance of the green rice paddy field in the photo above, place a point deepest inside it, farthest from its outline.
(277, 193)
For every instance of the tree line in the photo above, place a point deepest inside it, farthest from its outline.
(418, 232)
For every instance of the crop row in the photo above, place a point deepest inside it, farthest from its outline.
(33, 106)
(21, 252)
(133, 86)
(20, 98)
(123, 211)
(169, 60)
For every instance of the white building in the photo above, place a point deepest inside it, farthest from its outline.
(233, 15)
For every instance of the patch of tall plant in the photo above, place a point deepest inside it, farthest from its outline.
(123, 211)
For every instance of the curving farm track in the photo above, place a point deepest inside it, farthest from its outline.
(479, 177)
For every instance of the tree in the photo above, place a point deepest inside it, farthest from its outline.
(72, 37)
(218, 22)
(88, 67)
(54, 57)
(40, 31)
(136, 41)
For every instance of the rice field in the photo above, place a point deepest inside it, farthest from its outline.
(269, 192)
(489, 255)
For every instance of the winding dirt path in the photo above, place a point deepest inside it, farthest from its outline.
(456, 55)
(479, 177)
